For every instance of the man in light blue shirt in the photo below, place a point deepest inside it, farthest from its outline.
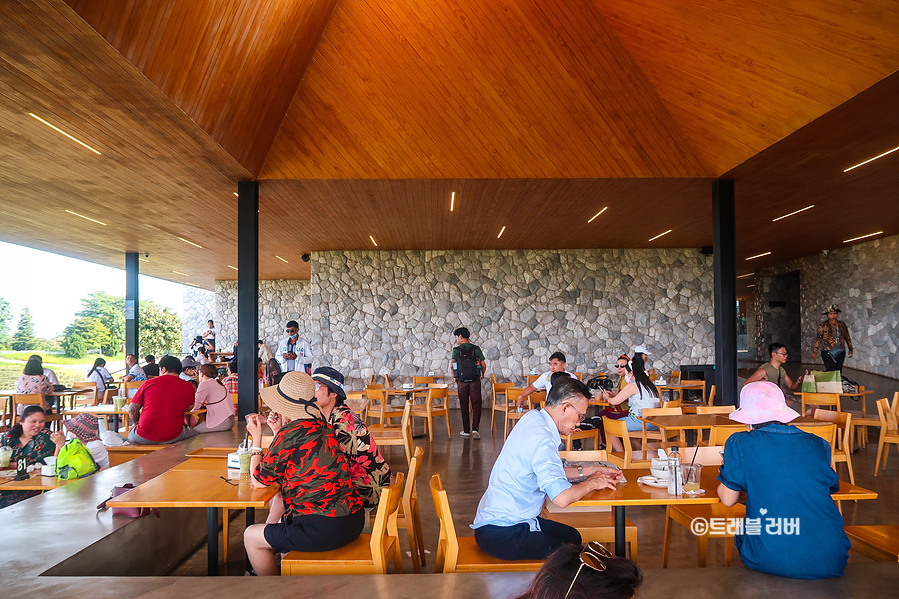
(527, 471)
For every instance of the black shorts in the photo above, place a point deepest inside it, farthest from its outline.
(314, 532)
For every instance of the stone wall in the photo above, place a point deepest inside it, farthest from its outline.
(862, 279)
(394, 312)
(198, 307)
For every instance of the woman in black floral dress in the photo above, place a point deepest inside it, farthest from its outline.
(29, 438)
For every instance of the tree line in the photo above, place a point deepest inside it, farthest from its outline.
(99, 325)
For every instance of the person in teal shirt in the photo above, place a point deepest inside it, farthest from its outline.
(792, 526)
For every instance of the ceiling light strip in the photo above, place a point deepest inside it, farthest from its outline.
(501, 232)
(86, 218)
(191, 284)
(660, 234)
(69, 136)
(234, 267)
(373, 240)
(746, 275)
(281, 259)
(143, 259)
(452, 201)
(863, 237)
(792, 213)
(191, 242)
(868, 160)
(597, 214)
(758, 256)
(178, 272)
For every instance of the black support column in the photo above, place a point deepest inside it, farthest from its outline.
(132, 268)
(247, 296)
(725, 261)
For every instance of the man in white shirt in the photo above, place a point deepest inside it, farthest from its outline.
(135, 372)
(51, 376)
(544, 381)
(294, 353)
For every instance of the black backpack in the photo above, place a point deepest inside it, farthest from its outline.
(467, 364)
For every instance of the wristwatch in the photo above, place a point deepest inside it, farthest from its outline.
(580, 472)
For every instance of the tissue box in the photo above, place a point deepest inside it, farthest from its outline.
(233, 460)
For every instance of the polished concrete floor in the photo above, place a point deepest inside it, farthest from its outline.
(465, 464)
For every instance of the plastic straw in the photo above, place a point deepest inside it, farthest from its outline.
(694, 455)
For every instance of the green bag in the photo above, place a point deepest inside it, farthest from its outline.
(74, 461)
(808, 383)
(818, 381)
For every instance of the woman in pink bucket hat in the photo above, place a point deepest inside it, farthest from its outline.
(792, 526)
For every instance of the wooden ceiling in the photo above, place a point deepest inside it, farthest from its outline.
(361, 117)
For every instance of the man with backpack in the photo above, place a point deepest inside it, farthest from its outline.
(468, 370)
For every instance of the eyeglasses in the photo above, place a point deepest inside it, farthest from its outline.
(582, 416)
(291, 331)
(782, 353)
(619, 365)
(592, 556)
(318, 386)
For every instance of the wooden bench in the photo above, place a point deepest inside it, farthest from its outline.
(880, 542)
(126, 453)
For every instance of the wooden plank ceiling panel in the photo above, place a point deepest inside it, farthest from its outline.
(537, 213)
(159, 176)
(232, 66)
(739, 76)
(466, 89)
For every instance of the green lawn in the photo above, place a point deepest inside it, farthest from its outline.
(53, 358)
(10, 372)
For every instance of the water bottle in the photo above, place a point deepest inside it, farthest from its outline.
(675, 480)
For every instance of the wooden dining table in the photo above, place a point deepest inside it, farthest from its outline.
(34, 482)
(203, 488)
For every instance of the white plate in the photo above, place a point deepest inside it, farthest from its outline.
(651, 481)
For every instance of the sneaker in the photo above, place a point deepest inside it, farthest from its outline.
(475, 434)
(465, 434)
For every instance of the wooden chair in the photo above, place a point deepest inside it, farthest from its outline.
(820, 399)
(889, 433)
(579, 376)
(627, 458)
(32, 399)
(711, 399)
(880, 542)
(531, 378)
(131, 386)
(725, 410)
(462, 554)
(675, 377)
(861, 422)
(673, 403)
(408, 516)
(436, 404)
(498, 390)
(719, 434)
(593, 522)
(686, 514)
(661, 435)
(391, 435)
(419, 381)
(592, 433)
(512, 414)
(89, 397)
(379, 407)
(828, 432)
(368, 554)
(843, 450)
(693, 385)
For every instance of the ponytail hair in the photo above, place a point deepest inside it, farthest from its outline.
(641, 378)
(16, 431)
(97, 364)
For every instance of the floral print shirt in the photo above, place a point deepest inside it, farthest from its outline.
(39, 447)
(368, 469)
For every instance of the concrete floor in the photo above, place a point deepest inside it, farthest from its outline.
(465, 464)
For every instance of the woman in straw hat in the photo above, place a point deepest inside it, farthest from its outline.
(323, 511)
(792, 526)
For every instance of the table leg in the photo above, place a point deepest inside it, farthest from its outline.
(212, 541)
(620, 532)
(251, 520)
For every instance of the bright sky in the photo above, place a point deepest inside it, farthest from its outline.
(53, 291)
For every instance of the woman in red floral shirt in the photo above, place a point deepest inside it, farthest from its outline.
(323, 511)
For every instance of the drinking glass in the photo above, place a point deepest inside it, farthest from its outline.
(692, 476)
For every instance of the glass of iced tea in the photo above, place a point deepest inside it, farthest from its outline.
(692, 476)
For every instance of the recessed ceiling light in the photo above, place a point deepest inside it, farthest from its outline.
(757, 256)
(863, 237)
(660, 234)
(234, 267)
(746, 275)
(281, 259)
(792, 213)
(452, 201)
(866, 161)
(597, 214)
(191, 242)
(64, 133)
(237, 194)
(177, 272)
(191, 284)
(86, 218)
(143, 259)
(501, 232)
(373, 240)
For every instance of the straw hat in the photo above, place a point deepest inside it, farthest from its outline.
(85, 427)
(760, 402)
(292, 395)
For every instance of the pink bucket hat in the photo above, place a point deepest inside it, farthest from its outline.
(762, 401)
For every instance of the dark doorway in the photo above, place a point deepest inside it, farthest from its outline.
(782, 314)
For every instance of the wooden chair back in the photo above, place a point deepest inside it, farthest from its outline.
(537, 398)
(820, 399)
(711, 399)
(531, 378)
(579, 376)
(715, 409)
(447, 543)
(497, 386)
(422, 380)
(674, 403)
(675, 377)
(84, 385)
(661, 434)
(618, 428)
(438, 386)
(409, 517)
(720, 434)
(386, 381)
(887, 417)
(234, 398)
(706, 455)
(595, 455)
(26, 399)
(827, 432)
(383, 530)
(677, 411)
(371, 380)
(437, 397)
(653, 376)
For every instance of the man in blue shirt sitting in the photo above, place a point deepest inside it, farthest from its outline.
(527, 471)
